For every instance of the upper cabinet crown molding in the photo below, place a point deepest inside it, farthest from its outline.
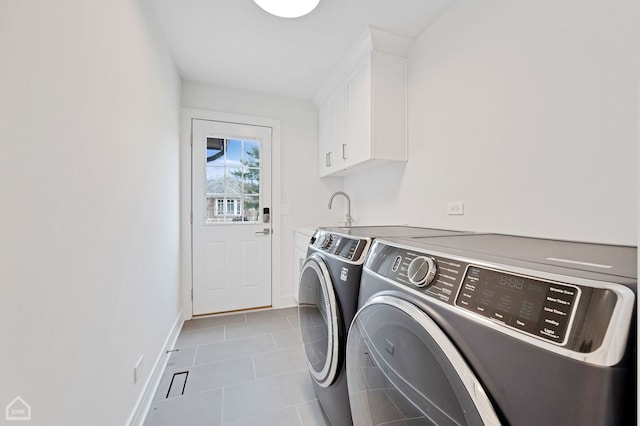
(372, 39)
(363, 106)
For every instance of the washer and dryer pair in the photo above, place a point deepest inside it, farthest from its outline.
(470, 329)
(328, 300)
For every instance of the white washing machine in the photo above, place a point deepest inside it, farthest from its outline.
(492, 329)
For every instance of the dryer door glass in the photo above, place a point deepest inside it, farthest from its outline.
(402, 368)
(319, 321)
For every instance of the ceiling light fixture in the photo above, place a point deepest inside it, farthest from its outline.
(288, 8)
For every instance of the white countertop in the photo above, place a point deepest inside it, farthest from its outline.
(306, 230)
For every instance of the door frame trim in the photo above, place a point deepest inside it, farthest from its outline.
(186, 273)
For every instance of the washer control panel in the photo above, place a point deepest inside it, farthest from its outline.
(563, 313)
(344, 247)
(438, 277)
(535, 306)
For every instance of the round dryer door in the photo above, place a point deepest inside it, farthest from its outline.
(319, 320)
(402, 368)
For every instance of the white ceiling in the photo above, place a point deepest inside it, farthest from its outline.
(236, 44)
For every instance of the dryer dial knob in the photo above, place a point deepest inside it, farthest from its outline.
(421, 271)
(326, 241)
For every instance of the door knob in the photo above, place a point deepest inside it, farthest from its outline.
(265, 231)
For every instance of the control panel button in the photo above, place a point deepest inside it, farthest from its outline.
(396, 263)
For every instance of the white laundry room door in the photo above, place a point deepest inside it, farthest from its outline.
(231, 230)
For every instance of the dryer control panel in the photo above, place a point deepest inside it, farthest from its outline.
(342, 246)
(564, 313)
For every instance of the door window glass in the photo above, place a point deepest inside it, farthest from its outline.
(232, 180)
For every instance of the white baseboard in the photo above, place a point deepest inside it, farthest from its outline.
(143, 404)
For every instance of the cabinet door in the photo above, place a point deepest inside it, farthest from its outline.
(339, 129)
(325, 124)
(299, 258)
(389, 107)
(332, 134)
(301, 245)
(359, 102)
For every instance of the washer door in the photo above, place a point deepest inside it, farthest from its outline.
(319, 320)
(402, 368)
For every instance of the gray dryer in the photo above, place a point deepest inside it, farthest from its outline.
(494, 329)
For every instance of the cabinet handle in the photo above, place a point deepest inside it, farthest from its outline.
(328, 159)
(344, 151)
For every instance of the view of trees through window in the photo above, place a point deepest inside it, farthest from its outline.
(233, 180)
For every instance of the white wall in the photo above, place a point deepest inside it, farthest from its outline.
(305, 194)
(89, 237)
(527, 112)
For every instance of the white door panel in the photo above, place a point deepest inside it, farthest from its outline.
(231, 184)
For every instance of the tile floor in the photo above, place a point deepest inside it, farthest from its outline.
(243, 369)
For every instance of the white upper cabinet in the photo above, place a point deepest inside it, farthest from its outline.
(363, 107)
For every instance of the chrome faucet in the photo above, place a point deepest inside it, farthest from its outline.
(349, 218)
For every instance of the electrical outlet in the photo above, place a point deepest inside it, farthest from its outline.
(138, 369)
(455, 208)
